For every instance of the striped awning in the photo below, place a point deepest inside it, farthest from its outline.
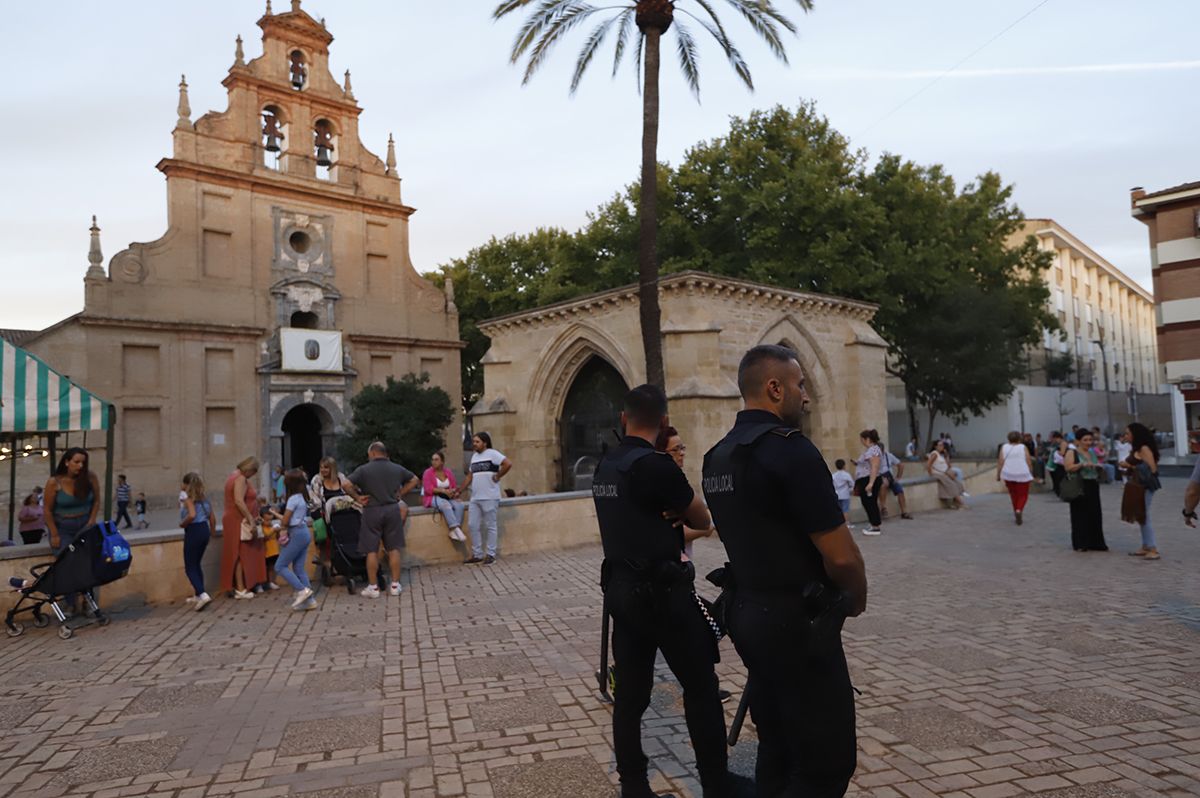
(36, 398)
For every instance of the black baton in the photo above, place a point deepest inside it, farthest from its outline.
(602, 674)
(739, 717)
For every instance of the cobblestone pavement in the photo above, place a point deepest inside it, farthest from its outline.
(993, 661)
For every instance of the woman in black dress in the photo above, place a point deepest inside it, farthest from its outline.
(1087, 524)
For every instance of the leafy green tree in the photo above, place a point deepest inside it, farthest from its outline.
(1059, 366)
(507, 275)
(550, 21)
(408, 415)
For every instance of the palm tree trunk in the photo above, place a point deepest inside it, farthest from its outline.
(651, 315)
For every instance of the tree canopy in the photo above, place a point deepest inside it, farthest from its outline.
(783, 199)
(407, 415)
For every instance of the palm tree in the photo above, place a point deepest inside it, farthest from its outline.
(551, 20)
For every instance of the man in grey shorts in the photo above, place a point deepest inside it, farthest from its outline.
(383, 484)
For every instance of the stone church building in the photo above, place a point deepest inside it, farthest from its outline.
(555, 376)
(282, 285)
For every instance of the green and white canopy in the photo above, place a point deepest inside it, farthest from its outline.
(36, 398)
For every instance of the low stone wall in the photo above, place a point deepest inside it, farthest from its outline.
(527, 524)
(920, 493)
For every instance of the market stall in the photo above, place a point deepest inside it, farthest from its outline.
(36, 403)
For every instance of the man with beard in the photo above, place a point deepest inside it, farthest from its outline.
(796, 575)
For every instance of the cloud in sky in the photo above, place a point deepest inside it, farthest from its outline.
(855, 73)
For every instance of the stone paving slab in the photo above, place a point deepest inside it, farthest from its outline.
(993, 661)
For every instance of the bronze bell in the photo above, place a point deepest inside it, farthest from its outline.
(323, 155)
(271, 133)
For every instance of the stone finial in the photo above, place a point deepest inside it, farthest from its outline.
(346, 87)
(391, 156)
(295, 6)
(185, 109)
(268, 8)
(95, 256)
(449, 289)
(239, 56)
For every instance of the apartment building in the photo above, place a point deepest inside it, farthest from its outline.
(1107, 320)
(1172, 217)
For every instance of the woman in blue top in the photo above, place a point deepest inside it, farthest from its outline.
(294, 540)
(198, 522)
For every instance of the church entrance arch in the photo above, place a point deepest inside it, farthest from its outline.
(591, 412)
(303, 429)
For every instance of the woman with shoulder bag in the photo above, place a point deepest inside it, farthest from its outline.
(1142, 468)
(243, 555)
(1081, 488)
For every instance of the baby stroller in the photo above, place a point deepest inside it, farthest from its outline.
(344, 557)
(98, 555)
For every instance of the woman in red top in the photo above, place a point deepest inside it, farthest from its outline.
(243, 562)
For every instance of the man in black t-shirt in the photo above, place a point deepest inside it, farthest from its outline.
(641, 497)
(796, 575)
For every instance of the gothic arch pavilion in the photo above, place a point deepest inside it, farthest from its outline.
(708, 322)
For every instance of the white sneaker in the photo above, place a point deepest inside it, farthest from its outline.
(243, 594)
(872, 531)
(301, 597)
(395, 589)
(190, 600)
(370, 591)
(202, 601)
(458, 535)
(272, 586)
(311, 604)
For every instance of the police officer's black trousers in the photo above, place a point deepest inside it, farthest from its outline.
(648, 618)
(800, 699)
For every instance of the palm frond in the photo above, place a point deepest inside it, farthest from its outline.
(627, 18)
(589, 50)
(544, 17)
(763, 18)
(509, 6)
(685, 47)
(717, 31)
(556, 30)
(637, 60)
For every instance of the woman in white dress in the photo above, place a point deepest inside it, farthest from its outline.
(1015, 467)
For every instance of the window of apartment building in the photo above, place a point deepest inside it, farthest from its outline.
(1058, 299)
(1087, 313)
(1075, 306)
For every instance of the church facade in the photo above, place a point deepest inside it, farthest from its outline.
(281, 287)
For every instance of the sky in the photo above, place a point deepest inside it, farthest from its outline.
(1074, 104)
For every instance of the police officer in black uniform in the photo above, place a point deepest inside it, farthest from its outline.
(796, 575)
(641, 497)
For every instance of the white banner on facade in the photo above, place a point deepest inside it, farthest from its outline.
(311, 350)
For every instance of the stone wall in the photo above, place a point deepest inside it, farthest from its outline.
(527, 524)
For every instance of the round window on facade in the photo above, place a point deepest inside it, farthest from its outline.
(300, 242)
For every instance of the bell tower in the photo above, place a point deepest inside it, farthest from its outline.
(283, 283)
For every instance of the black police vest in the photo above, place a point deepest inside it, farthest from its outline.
(627, 530)
(766, 551)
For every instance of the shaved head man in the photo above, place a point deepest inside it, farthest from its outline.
(796, 575)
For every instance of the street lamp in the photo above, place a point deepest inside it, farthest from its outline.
(1107, 396)
(1021, 408)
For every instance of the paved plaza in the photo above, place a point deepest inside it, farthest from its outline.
(993, 661)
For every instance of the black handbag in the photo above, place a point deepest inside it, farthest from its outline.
(1071, 487)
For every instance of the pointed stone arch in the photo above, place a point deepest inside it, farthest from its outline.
(813, 359)
(562, 359)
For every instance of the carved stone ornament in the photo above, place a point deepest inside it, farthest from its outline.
(305, 296)
(127, 266)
